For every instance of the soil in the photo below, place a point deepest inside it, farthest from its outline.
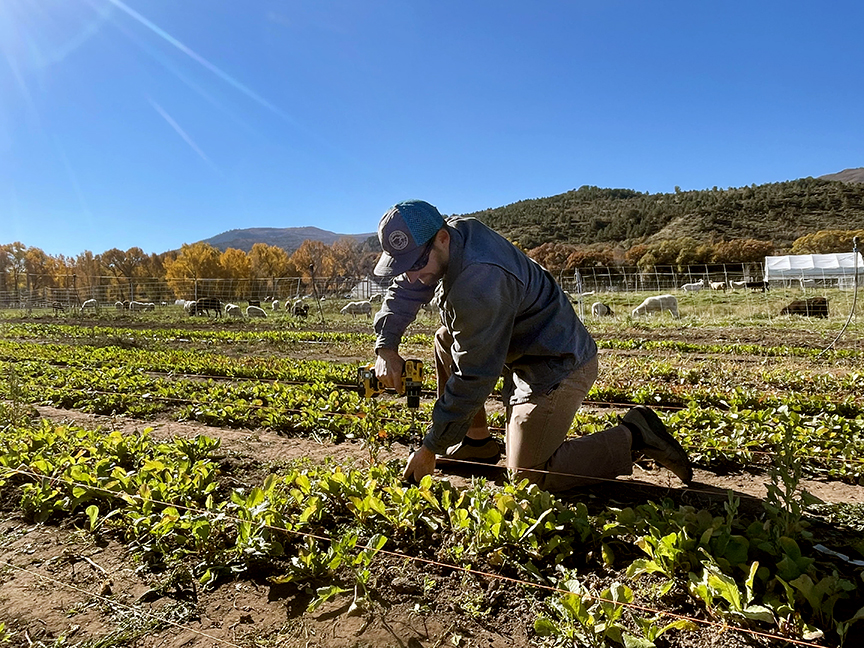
(60, 586)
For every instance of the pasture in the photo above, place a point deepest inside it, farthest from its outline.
(168, 480)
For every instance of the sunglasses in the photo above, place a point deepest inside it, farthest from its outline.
(424, 258)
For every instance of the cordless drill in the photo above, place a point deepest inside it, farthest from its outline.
(410, 384)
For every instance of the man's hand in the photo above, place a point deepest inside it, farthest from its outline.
(420, 464)
(388, 367)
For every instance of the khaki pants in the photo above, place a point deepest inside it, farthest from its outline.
(536, 440)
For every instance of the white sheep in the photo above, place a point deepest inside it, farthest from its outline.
(599, 309)
(357, 308)
(657, 304)
(738, 284)
(717, 285)
(140, 306)
(807, 283)
(694, 287)
(255, 311)
(119, 306)
(233, 310)
(275, 305)
(90, 303)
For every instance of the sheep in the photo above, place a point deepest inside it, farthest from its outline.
(812, 307)
(807, 283)
(275, 305)
(300, 308)
(737, 284)
(599, 309)
(233, 310)
(657, 304)
(90, 303)
(717, 285)
(141, 306)
(119, 305)
(358, 308)
(255, 311)
(189, 307)
(377, 298)
(758, 285)
(694, 287)
(204, 305)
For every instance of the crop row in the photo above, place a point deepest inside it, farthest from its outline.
(365, 341)
(166, 500)
(738, 432)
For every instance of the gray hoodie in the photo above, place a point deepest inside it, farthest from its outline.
(507, 316)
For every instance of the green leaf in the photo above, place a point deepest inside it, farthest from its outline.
(545, 627)
(93, 515)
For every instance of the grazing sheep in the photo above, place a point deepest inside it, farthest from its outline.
(275, 305)
(738, 284)
(255, 311)
(204, 305)
(233, 310)
(717, 285)
(141, 306)
(812, 307)
(119, 306)
(180, 302)
(758, 285)
(90, 303)
(599, 309)
(807, 283)
(694, 287)
(358, 308)
(189, 307)
(657, 304)
(300, 308)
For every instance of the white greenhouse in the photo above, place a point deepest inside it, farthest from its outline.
(815, 269)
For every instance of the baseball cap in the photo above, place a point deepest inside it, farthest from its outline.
(404, 231)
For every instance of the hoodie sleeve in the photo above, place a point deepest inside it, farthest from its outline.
(399, 308)
(480, 310)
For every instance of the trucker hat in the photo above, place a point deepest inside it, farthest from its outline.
(404, 231)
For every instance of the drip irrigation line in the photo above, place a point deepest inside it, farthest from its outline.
(428, 561)
(118, 604)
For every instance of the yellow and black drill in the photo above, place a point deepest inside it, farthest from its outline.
(410, 384)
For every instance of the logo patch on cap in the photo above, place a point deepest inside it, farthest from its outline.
(398, 240)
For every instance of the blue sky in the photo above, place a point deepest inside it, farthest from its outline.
(153, 123)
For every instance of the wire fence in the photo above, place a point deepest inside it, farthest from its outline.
(107, 290)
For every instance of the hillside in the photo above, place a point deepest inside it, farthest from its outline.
(781, 212)
(847, 175)
(287, 238)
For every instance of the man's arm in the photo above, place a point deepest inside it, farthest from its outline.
(480, 313)
(399, 308)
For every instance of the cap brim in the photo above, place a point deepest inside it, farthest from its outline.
(390, 266)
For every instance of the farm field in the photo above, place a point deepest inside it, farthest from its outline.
(168, 480)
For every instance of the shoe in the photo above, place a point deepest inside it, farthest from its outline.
(484, 451)
(657, 443)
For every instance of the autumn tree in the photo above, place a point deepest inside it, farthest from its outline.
(237, 270)
(827, 242)
(187, 274)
